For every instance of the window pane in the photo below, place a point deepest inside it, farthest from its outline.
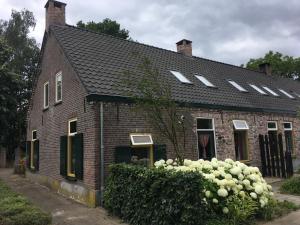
(140, 156)
(58, 87)
(270, 91)
(237, 86)
(258, 89)
(204, 124)
(46, 95)
(206, 145)
(73, 127)
(287, 94)
(72, 158)
(287, 126)
(288, 141)
(141, 139)
(240, 125)
(240, 143)
(180, 77)
(272, 125)
(205, 81)
(34, 135)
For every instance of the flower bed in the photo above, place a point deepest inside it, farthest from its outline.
(199, 192)
(226, 178)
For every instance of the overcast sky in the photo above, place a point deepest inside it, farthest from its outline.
(230, 31)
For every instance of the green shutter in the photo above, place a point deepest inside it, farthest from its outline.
(78, 150)
(36, 154)
(123, 154)
(63, 155)
(28, 148)
(160, 152)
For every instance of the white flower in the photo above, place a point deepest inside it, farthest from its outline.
(246, 182)
(169, 161)
(235, 171)
(215, 201)
(253, 195)
(207, 194)
(169, 167)
(222, 192)
(242, 194)
(225, 210)
(259, 189)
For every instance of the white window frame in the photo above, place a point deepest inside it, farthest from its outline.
(180, 77)
(56, 87)
(205, 81)
(286, 93)
(46, 84)
(291, 128)
(258, 89)
(272, 129)
(141, 144)
(237, 86)
(236, 128)
(33, 139)
(270, 91)
(69, 127)
(212, 129)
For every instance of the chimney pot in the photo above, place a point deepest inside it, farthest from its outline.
(265, 68)
(185, 47)
(55, 13)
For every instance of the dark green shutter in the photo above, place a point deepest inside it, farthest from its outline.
(78, 150)
(63, 155)
(36, 154)
(123, 154)
(28, 155)
(160, 152)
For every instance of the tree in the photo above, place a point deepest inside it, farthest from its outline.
(24, 56)
(152, 97)
(107, 26)
(282, 65)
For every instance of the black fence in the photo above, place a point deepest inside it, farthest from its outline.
(275, 162)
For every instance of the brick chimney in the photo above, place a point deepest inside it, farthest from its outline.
(185, 47)
(55, 13)
(265, 68)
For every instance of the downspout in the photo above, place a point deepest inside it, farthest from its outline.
(101, 156)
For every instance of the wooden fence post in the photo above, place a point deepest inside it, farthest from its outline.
(282, 161)
(262, 155)
(268, 155)
(276, 153)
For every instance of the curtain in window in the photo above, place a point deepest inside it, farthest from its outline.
(203, 142)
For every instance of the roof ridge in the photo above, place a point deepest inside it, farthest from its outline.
(152, 46)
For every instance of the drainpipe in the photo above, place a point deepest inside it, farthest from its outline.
(101, 155)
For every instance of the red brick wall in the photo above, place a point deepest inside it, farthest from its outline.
(53, 123)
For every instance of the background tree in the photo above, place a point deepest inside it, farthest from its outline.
(282, 65)
(22, 64)
(107, 26)
(152, 96)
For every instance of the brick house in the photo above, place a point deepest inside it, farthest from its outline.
(80, 120)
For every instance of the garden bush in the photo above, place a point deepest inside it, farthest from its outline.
(17, 210)
(291, 186)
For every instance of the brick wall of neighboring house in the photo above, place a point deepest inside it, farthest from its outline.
(120, 120)
(53, 123)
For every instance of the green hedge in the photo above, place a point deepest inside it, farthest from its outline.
(291, 186)
(17, 210)
(144, 196)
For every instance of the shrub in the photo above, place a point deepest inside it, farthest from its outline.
(17, 210)
(291, 186)
(144, 196)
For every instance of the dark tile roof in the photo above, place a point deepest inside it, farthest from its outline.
(100, 61)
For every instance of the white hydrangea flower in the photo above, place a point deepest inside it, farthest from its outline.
(225, 210)
(207, 194)
(169, 161)
(215, 201)
(235, 171)
(253, 195)
(222, 192)
(258, 189)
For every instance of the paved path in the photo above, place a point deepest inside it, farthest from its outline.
(64, 211)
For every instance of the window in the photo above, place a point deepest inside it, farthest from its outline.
(141, 139)
(34, 137)
(180, 77)
(33, 151)
(240, 125)
(272, 126)
(237, 86)
(46, 95)
(206, 138)
(205, 81)
(287, 94)
(258, 89)
(288, 134)
(71, 157)
(58, 87)
(270, 91)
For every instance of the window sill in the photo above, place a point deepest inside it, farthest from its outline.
(45, 109)
(58, 103)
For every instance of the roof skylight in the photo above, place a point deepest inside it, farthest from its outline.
(237, 86)
(204, 81)
(258, 89)
(180, 77)
(287, 94)
(270, 91)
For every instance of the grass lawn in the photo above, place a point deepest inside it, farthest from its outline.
(17, 210)
(291, 186)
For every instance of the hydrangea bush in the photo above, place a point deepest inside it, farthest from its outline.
(226, 179)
